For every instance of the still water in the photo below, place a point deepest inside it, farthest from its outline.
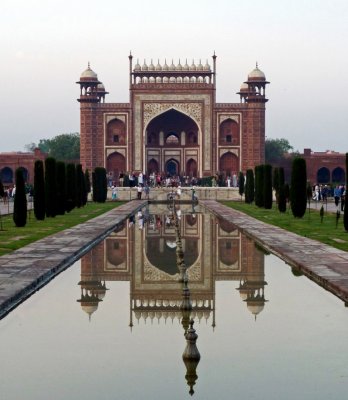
(110, 327)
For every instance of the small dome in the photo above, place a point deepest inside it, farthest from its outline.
(244, 87)
(100, 88)
(207, 66)
(88, 73)
(193, 66)
(151, 67)
(179, 67)
(186, 66)
(165, 66)
(144, 67)
(158, 66)
(200, 66)
(137, 66)
(172, 66)
(255, 308)
(257, 74)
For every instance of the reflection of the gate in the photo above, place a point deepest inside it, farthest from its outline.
(144, 254)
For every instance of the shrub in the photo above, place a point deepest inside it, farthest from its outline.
(345, 215)
(249, 187)
(50, 187)
(61, 187)
(70, 187)
(99, 185)
(39, 191)
(298, 188)
(267, 186)
(20, 201)
(241, 183)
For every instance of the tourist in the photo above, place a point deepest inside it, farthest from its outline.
(114, 193)
(121, 178)
(140, 191)
(228, 181)
(343, 198)
(234, 180)
(146, 191)
(337, 195)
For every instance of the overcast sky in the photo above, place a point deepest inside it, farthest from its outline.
(301, 46)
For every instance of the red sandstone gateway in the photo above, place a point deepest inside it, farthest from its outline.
(172, 123)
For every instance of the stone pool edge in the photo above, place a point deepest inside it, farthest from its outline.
(28, 269)
(321, 263)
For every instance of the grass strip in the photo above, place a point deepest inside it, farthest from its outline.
(309, 226)
(13, 238)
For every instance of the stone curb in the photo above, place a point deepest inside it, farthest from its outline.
(29, 268)
(323, 264)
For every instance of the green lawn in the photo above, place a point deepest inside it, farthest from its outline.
(12, 238)
(309, 226)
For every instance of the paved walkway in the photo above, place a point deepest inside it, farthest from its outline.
(323, 264)
(25, 270)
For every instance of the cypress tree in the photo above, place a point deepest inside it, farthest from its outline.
(79, 186)
(61, 187)
(70, 187)
(94, 186)
(281, 178)
(20, 201)
(39, 190)
(267, 186)
(241, 183)
(298, 187)
(257, 185)
(2, 190)
(50, 187)
(261, 185)
(249, 187)
(100, 192)
(282, 199)
(345, 215)
(275, 183)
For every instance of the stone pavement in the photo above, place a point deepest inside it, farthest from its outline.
(323, 264)
(26, 270)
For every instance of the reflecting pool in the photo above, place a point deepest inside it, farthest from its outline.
(112, 326)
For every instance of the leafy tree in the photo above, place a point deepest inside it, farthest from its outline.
(298, 188)
(20, 201)
(241, 183)
(64, 147)
(30, 147)
(249, 187)
(267, 186)
(39, 190)
(70, 187)
(61, 187)
(275, 149)
(50, 187)
(345, 215)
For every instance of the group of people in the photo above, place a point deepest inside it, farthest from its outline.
(322, 192)
(340, 196)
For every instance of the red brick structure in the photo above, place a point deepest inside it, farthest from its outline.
(172, 123)
(9, 162)
(325, 167)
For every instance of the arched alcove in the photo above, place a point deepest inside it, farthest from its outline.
(323, 175)
(229, 163)
(229, 133)
(116, 133)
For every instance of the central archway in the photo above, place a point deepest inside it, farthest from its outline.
(172, 167)
(171, 140)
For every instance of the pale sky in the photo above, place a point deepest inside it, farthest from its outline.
(301, 46)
